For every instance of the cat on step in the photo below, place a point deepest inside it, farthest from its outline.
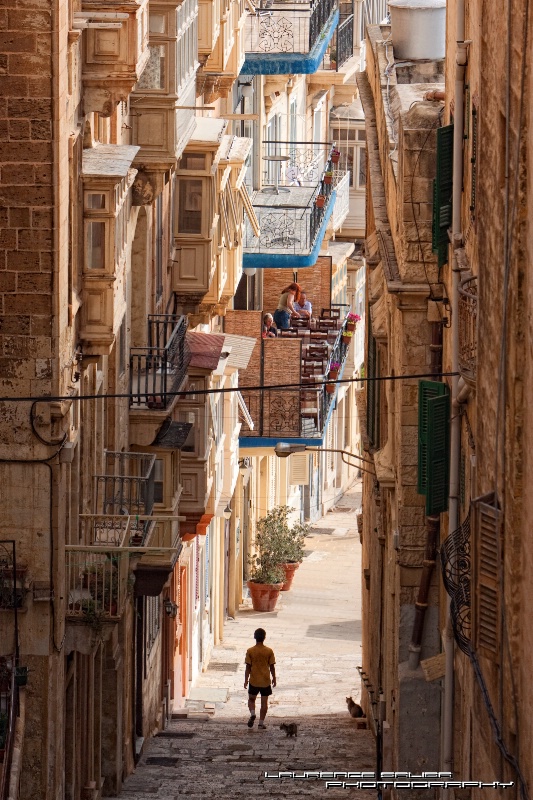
(354, 708)
(291, 729)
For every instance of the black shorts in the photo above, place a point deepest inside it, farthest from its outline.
(264, 691)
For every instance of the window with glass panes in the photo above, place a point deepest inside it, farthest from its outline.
(351, 143)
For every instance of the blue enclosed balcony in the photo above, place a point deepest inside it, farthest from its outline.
(301, 195)
(284, 38)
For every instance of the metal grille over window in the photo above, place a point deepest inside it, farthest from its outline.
(456, 576)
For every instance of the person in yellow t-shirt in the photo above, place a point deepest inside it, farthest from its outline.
(260, 668)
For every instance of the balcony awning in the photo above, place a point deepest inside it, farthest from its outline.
(208, 131)
(241, 348)
(112, 161)
(205, 348)
(249, 210)
(244, 411)
(172, 435)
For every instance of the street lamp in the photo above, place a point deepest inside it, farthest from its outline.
(227, 512)
(284, 450)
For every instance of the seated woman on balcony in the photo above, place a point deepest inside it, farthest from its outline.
(285, 309)
(269, 329)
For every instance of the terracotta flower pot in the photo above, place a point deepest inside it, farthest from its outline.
(330, 388)
(335, 158)
(333, 374)
(347, 339)
(328, 179)
(264, 595)
(350, 326)
(320, 201)
(290, 568)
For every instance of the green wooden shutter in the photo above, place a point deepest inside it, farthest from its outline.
(438, 454)
(426, 390)
(442, 194)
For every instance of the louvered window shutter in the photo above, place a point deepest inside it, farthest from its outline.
(272, 481)
(487, 561)
(473, 161)
(426, 391)
(299, 469)
(442, 193)
(438, 454)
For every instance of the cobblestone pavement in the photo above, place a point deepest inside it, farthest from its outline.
(316, 635)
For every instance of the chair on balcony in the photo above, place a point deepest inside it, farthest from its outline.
(310, 408)
(330, 313)
(301, 324)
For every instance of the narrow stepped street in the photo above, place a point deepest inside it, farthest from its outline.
(315, 633)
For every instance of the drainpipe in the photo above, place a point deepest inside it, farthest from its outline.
(432, 530)
(455, 433)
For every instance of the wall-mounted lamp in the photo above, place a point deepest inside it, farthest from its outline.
(249, 271)
(247, 90)
(244, 466)
(227, 512)
(171, 609)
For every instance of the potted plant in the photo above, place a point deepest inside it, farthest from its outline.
(333, 371)
(347, 336)
(328, 177)
(351, 321)
(333, 59)
(335, 156)
(320, 201)
(279, 553)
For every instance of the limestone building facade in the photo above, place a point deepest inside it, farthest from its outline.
(133, 145)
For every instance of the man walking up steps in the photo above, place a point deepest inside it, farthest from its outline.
(260, 668)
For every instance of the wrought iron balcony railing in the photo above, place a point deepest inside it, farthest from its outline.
(301, 412)
(157, 371)
(97, 574)
(340, 49)
(97, 571)
(292, 211)
(281, 27)
(468, 329)
(127, 487)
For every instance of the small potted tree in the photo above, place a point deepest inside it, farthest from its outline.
(276, 546)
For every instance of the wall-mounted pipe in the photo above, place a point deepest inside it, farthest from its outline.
(461, 59)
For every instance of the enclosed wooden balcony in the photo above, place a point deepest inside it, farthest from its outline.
(283, 38)
(114, 56)
(162, 104)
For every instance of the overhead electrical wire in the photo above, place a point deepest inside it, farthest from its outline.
(196, 392)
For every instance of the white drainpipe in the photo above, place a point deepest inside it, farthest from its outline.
(453, 513)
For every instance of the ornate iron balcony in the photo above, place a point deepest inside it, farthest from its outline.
(293, 208)
(284, 38)
(157, 371)
(340, 49)
(468, 329)
(127, 486)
